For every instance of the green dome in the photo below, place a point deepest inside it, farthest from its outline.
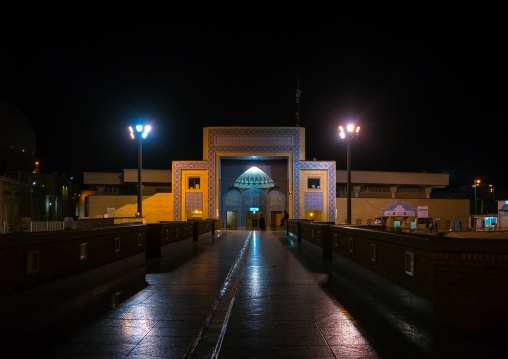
(254, 178)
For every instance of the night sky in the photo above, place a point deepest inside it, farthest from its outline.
(426, 82)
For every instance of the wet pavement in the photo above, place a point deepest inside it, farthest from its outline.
(238, 294)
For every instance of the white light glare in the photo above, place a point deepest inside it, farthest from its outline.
(143, 130)
(350, 128)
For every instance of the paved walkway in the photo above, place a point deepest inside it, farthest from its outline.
(243, 294)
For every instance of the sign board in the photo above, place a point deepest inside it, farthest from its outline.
(399, 209)
(423, 211)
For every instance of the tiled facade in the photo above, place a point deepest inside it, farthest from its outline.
(256, 143)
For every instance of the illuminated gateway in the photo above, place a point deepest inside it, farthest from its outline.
(249, 171)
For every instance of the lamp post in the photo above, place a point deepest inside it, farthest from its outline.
(493, 200)
(140, 132)
(349, 134)
(476, 184)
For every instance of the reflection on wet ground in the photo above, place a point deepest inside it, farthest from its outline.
(33, 325)
(240, 294)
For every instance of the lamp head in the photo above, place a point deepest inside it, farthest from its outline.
(351, 129)
(142, 131)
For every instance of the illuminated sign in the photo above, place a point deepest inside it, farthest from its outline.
(254, 209)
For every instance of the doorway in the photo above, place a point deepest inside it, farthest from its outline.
(313, 215)
(252, 219)
(194, 214)
(275, 219)
(231, 220)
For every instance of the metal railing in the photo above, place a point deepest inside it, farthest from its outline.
(44, 226)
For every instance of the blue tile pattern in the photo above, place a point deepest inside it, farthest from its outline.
(315, 165)
(253, 141)
(314, 201)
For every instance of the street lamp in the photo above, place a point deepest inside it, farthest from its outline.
(140, 132)
(476, 184)
(349, 134)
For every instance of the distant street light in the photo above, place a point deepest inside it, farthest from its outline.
(476, 184)
(140, 133)
(349, 134)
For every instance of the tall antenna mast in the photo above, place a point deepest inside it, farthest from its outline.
(298, 93)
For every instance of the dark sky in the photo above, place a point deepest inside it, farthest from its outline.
(426, 81)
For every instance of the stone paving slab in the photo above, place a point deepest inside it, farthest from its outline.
(272, 301)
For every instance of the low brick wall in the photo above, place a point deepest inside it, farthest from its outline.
(86, 223)
(294, 226)
(29, 260)
(464, 279)
(319, 234)
(217, 224)
(163, 234)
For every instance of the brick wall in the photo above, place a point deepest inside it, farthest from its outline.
(464, 279)
(163, 234)
(58, 254)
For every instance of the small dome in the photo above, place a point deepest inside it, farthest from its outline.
(254, 178)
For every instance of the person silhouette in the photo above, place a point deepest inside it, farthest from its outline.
(285, 218)
(262, 224)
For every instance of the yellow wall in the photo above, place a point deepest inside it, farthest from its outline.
(155, 208)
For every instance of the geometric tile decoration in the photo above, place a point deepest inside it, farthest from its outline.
(245, 141)
(178, 166)
(194, 200)
(313, 201)
(316, 165)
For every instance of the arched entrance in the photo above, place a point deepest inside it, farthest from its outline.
(253, 193)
